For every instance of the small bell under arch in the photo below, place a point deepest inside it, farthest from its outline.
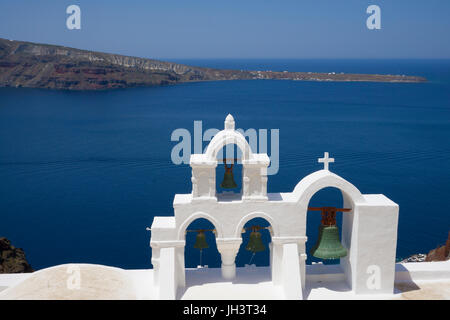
(228, 178)
(200, 241)
(255, 243)
(328, 245)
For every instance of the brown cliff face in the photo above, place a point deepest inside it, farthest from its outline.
(12, 259)
(25, 64)
(440, 253)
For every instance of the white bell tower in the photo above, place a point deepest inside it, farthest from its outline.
(254, 167)
(369, 227)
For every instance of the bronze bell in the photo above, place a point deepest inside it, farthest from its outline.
(328, 245)
(200, 241)
(255, 243)
(228, 178)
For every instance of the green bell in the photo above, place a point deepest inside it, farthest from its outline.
(328, 245)
(200, 241)
(228, 179)
(255, 243)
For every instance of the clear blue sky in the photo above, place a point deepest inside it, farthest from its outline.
(236, 29)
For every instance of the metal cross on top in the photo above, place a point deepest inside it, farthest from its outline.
(325, 160)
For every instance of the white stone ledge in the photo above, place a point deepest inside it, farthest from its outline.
(416, 271)
(324, 273)
(404, 272)
(11, 279)
(283, 240)
(143, 279)
(167, 244)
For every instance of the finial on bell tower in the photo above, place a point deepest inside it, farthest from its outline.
(229, 122)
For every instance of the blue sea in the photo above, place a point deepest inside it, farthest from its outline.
(82, 174)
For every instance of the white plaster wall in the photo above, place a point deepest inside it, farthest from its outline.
(167, 275)
(376, 241)
(291, 281)
(348, 239)
(230, 217)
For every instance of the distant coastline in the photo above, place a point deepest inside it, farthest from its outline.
(26, 64)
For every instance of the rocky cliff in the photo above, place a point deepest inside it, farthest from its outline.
(25, 64)
(12, 259)
(441, 253)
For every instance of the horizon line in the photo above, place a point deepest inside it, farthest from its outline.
(236, 58)
(294, 58)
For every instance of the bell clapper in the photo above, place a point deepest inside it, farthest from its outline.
(251, 258)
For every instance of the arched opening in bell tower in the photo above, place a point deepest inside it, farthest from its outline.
(322, 245)
(229, 170)
(201, 248)
(255, 247)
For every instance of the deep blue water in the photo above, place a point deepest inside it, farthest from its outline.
(83, 173)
